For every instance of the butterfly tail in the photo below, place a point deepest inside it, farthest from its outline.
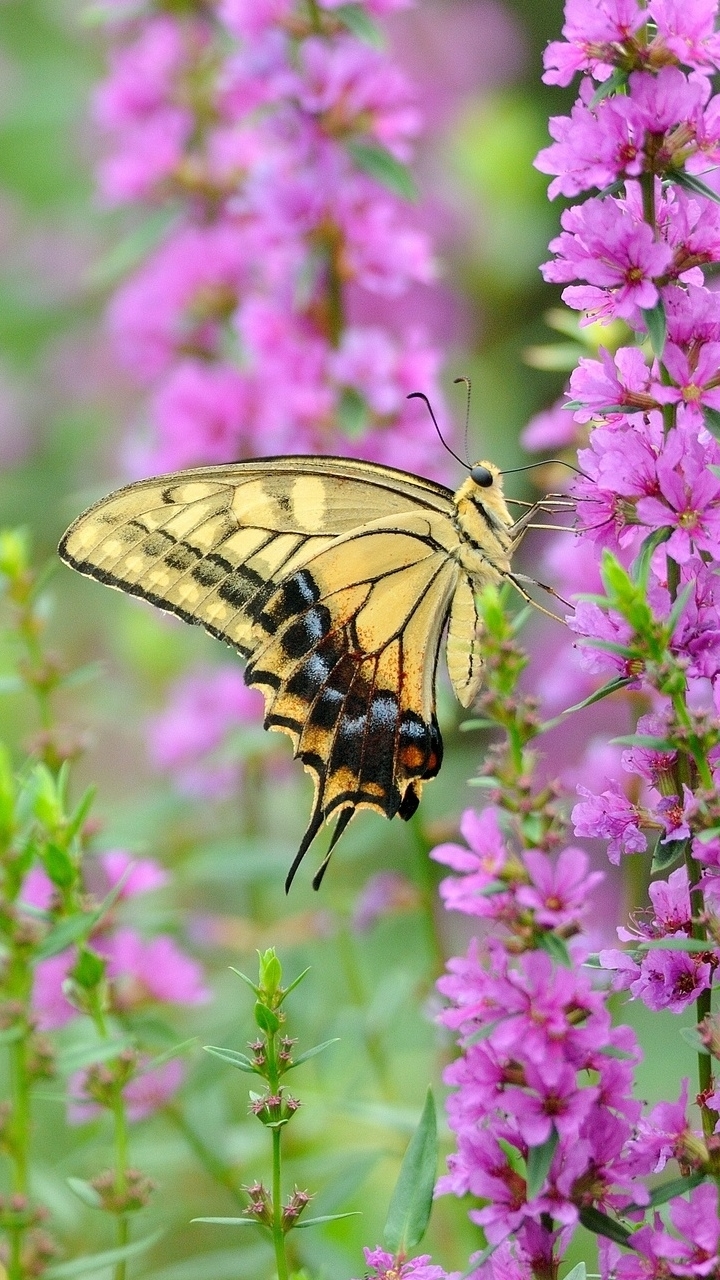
(314, 825)
(340, 826)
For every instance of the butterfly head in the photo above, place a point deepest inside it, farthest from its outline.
(480, 502)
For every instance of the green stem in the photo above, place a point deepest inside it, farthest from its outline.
(703, 1003)
(277, 1227)
(216, 1168)
(121, 1164)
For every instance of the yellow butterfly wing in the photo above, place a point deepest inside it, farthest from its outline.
(333, 577)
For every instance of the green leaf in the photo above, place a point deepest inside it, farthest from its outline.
(641, 565)
(613, 686)
(81, 812)
(81, 926)
(556, 948)
(609, 646)
(239, 1060)
(646, 741)
(249, 981)
(691, 1036)
(677, 609)
(579, 1272)
(295, 983)
(694, 945)
(99, 1261)
(667, 853)
(712, 420)
(85, 1192)
(267, 1020)
(656, 324)
(669, 1190)
(381, 165)
(466, 726)
(487, 784)
(86, 1055)
(693, 184)
(129, 252)
(58, 864)
(310, 1053)
(538, 1164)
(601, 1225)
(325, 1217)
(357, 20)
(231, 1222)
(353, 413)
(613, 84)
(706, 836)
(89, 968)
(411, 1202)
(603, 410)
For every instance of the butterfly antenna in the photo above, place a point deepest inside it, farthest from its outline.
(468, 384)
(544, 462)
(418, 395)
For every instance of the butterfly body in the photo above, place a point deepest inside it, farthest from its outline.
(334, 578)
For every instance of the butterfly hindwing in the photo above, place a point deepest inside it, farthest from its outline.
(346, 655)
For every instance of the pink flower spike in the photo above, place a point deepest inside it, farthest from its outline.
(143, 874)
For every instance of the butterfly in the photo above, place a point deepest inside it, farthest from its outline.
(334, 579)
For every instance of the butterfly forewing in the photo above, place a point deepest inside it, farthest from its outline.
(334, 578)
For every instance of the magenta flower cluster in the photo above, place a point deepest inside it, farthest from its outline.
(276, 139)
(646, 129)
(547, 1126)
(141, 973)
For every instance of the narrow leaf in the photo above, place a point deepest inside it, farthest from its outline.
(579, 1272)
(712, 420)
(646, 741)
(100, 1261)
(601, 1225)
(310, 1053)
(656, 324)
(411, 1202)
(556, 948)
(667, 853)
(381, 165)
(620, 682)
(538, 1164)
(691, 1036)
(669, 1190)
(696, 185)
(231, 1222)
(613, 84)
(678, 607)
(239, 1060)
(86, 1055)
(608, 646)
(325, 1217)
(693, 945)
(705, 837)
(85, 1192)
(354, 17)
(641, 565)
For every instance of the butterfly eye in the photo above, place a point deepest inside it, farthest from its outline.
(482, 476)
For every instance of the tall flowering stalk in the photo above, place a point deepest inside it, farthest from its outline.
(275, 136)
(549, 1133)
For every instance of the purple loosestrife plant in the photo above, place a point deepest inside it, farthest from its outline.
(549, 1133)
(278, 137)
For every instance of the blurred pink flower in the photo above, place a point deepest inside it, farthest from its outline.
(201, 709)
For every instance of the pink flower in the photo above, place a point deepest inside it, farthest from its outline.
(609, 816)
(202, 709)
(559, 892)
(593, 38)
(143, 875)
(143, 971)
(387, 1267)
(607, 244)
